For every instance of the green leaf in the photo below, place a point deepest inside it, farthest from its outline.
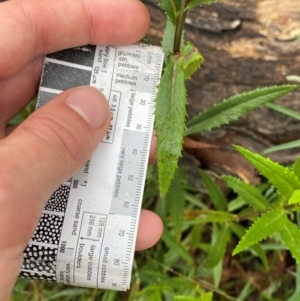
(219, 244)
(263, 227)
(194, 3)
(175, 247)
(240, 231)
(281, 147)
(284, 110)
(296, 168)
(209, 216)
(249, 193)
(282, 178)
(206, 297)
(290, 234)
(68, 292)
(168, 39)
(216, 195)
(175, 202)
(171, 8)
(217, 273)
(235, 106)
(295, 199)
(192, 60)
(170, 115)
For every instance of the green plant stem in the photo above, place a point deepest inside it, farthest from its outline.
(179, 27)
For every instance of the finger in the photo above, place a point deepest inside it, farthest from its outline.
(43, 152)
(30, 28)
(149, 231)
(17, 90)
(152, 156)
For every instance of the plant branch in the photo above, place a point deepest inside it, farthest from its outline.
(179, 26)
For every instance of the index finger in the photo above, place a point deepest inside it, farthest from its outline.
(30, 28)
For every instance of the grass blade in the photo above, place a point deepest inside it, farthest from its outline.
(283, 110)
(219, 243)
(281, 147)
(282, 178)
(216, 195)
(175, 202)
(263, 227)
(296, 168)
(235, 106)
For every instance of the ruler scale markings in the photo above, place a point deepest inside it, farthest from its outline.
(96, 246)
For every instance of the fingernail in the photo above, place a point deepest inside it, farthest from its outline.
(90, 104)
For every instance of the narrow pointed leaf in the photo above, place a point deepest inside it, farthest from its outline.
(284, 110)
(295, 199)
(281, 147)
(290, 234)
(171, 8)
(175, 247)
(240, 231)
(281, 177)
(170, 116)
(296, 168)
(209, 216)
(218, 247)
(194, 3)
(249, 193)
(168, 39)
(232, 108)
(216, 195)
(175, 202)
(263, 227)
(192, 60)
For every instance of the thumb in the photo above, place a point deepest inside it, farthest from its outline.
(43, 152)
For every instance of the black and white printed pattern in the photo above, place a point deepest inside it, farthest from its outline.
(37, 276)
(40, 259)
(62, 70)
(49, 229)
(59, 199)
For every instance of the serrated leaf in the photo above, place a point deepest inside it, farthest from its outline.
(171, 8)
(232, 108)
(280, 177)
(168, 38)
(249, 193)
(290, 234)
(192, 60)
(216, 195)
(295, 199)
(194, 3)
(263, 227)
(170, 116)
(175, 202)
(240, 231)
(218, 247)
(296, 168)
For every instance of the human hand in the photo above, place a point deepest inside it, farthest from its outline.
(46, 149)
